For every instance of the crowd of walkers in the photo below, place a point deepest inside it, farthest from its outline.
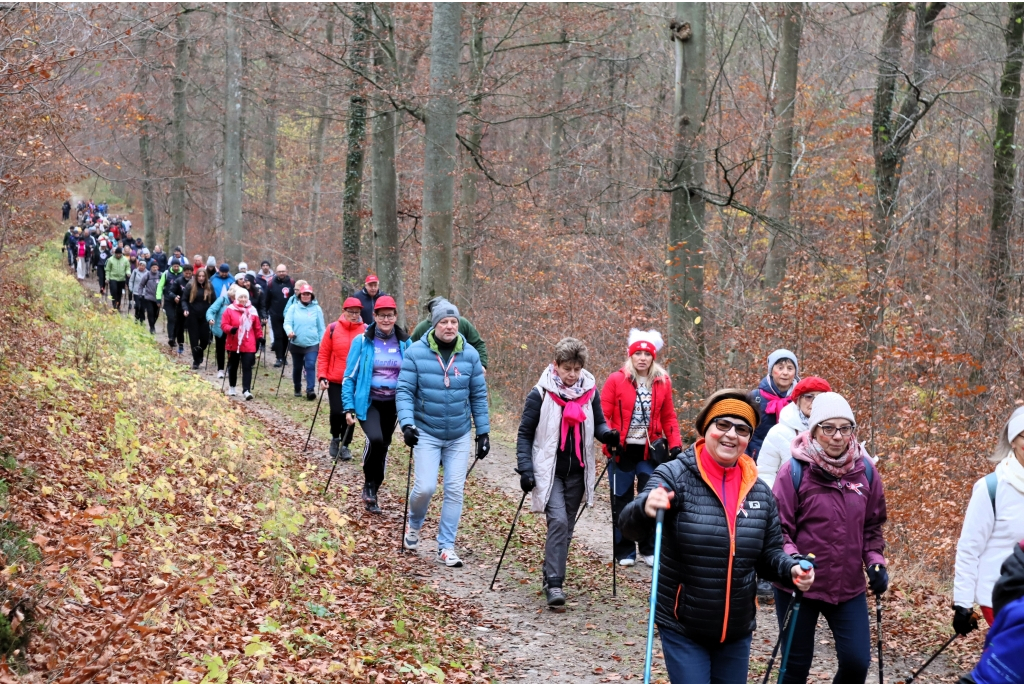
(776, 478)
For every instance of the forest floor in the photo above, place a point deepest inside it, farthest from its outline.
(265, 579)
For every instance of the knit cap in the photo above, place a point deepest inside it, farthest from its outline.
(1015, 426)
(830, 405)
(211, 261)
(780, 354)
(442, 310)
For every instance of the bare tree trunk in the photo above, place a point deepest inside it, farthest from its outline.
(782, 141)
(270, 138)
(1003, 172)
(351, 232)
(232, 187)
(685, 255)
(318, 158)
(178, 183)
(557, 134)
(468, 231)
(439, 162)
(145, 156)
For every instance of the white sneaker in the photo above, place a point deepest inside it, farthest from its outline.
(231, 391)
(220, 374)
(648, 559)
(448, 557)
(412, 539)
(628, 561)
(247, 395)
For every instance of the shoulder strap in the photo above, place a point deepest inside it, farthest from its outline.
(991, 481)
(333, 325)
(869, 471)
(796, 472)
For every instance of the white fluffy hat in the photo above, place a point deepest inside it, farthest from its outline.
(646, 341)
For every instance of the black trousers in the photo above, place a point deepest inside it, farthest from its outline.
(247, 359)
(64, 214)
(101, 276)
(179, 323)
(378, 427)
(152, 313)
(280, 337)
(199, 336)
(338, 425)
(631, 469)
(171, 313)
(116, 293)
(140, 308)
(220, 350)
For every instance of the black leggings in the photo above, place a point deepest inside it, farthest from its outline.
(199, 336)
(379, 426)
(338, 425)
(220, 349)
(247, 359)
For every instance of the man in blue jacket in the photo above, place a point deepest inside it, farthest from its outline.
(440, 388)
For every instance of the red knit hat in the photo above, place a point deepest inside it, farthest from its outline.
(645, 341)
(352, 303)
(385, 302)
(811, 384)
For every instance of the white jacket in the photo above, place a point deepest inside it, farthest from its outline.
(775, 450)
(988, 537)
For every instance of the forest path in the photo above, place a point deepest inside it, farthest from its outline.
(597, 638)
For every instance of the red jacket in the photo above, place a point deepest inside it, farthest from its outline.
(334, 346)
(232, 318)
(618, 396)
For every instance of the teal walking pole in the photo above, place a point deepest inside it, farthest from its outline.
(654, 594)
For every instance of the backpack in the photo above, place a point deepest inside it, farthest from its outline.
(991, 481)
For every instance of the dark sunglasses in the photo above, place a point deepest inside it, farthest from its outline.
(725, 425)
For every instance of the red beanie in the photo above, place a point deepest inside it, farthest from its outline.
(811, 384)
(646, 341)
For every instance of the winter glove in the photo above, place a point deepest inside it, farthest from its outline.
(675, 452)
(963, 620)
(233, 330)
(411, 435)
(878, 579)
(526, 481)
(259, 343)
(483, 445)
(610, 437)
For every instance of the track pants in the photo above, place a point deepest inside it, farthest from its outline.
(379, 426)
(116, 293)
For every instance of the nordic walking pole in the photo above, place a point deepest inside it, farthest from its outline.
(313, 423)
(336, 460)
(209, 343)
(660, 521)
(472, 466)
(584, 508)
(278, 391)
(932, 658)
(612, 487)
(778, 643)
(405, 514)
(505, 548)
(256, 367)
(878, 617)
(805, 565)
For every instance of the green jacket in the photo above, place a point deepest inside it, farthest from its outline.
(165, 280)
(118, 269)
(467, 330)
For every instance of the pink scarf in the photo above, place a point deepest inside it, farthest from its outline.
(572, 418)
(806, 449)
(775, 403)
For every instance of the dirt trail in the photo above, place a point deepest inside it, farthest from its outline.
(597, 638)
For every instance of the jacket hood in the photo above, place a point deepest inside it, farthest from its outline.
(348, 325)
(1010, 585)
(547, 380)
(790, 417)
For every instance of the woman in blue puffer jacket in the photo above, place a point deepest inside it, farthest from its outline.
(304, 326)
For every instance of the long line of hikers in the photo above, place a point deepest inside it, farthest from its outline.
(776, 477)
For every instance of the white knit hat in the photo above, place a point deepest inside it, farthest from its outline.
(830, 405)
(1015, 426)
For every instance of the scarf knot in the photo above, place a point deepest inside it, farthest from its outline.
(573, 417)
(775, 403)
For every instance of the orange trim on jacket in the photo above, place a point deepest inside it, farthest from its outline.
(748, 476)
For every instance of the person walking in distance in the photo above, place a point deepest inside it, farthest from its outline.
(241, 324)
(196, 300)
(832, 504)
(440, 389)
(721, 524)
(466, 329)
(555, 452)
(993, 524)
(367, 296)
(118, 270)
(369, 388)
(148, 285)
(637, 402)
(65, 210)
(135, 291)
(330, 369)
(281, 288)
(82, 252)
(214, 317)
(166, 294)
(304, 326)
(772, 394)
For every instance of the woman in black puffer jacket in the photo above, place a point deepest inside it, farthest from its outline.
(721, 529)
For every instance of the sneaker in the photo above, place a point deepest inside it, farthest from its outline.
(298, 394)
(195, 366)
(412, 539)
(628, 561)
(231, 391)
(310, 395)
(220, 374)
(247, 395)
(278, 363)
(345, 455)
(648, 559)
(449, 558)
(152, 331)
(335, 445)
(373, 507)
(556, 597)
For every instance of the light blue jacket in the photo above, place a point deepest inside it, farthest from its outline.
(424, 401)
(355, 389)
(306, 321)
(216, 311)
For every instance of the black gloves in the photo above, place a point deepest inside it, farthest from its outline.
(526, 481)
(610, 437)
(963, 620)
(411, 435)
(259, 343)
(675, 452)
(483, 445)
(878, 579)
(233, 330)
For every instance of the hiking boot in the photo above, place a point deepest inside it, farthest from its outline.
(366, 492)
(556, 597)
(220, 374)
(278, 363)
(628, 561)
(335, 445)
(195, 366)
(648, 559)
(298, 394)
(310, 396)
(247, 395)
(412, 539)
(449, 558)
(152, 331)
(345, 454)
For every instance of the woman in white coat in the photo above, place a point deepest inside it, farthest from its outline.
(993, 524)
(793, 419)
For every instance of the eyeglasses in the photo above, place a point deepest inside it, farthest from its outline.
(386, 317)
(829, 430)
(725, 425)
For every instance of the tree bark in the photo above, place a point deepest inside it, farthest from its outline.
(439, 162)
(780, 178)
(351, 232)
(232, 185)
(557, 135)
(468, 237)
(318, 158)
(270, 139)
(145, 155)
(178, 183)
(685, 258)
(1003, 172)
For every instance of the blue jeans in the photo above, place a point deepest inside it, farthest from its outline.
(304, 358)
(689, 662)
(851, 628)
(632, 468)
(428, 455)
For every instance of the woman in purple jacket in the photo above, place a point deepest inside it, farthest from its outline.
(832, 505)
